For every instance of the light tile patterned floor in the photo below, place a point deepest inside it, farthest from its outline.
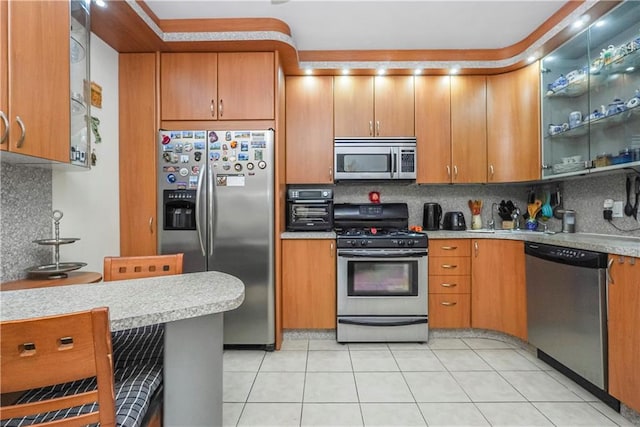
(447, 382)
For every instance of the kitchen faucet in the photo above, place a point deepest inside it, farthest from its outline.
(492, 222)
(515, 216)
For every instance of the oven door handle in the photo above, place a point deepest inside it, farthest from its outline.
(383, 322)
(381, 254)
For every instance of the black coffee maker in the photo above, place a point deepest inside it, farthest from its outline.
(432, 215)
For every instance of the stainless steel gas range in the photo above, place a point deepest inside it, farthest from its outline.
(382, 286)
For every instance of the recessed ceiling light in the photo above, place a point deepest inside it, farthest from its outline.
(581, 21)
(600, 23)
(381, 71)
(308, 71)
(454, 70)
(101, 3)
(531, 58)
(417, 71)
(630, 69)
(345, 71)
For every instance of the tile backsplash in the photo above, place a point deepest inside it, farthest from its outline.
(25, 206)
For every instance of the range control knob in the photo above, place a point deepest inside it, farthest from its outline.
(363, 243)
(400, 242)
(352, 242)
(410, 243)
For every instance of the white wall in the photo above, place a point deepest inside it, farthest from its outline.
(89, 199)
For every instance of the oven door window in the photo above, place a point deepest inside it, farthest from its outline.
(363, 162)
(382, 278)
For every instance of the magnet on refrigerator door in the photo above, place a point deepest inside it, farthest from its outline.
(213, 137)
(201, 134)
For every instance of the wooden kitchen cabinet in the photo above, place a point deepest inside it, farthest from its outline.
(137, 153)
(449, 283)
(624, 334)
(308, 284)
(513, 125)
(188, 86)
(34, 73)
(498, 286)
(309, 129)
(433, 129)
(217, 86)
(468, 129)
(374, 106)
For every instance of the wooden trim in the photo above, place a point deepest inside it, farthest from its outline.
(221, 25)
(121, 28)
(217, 125)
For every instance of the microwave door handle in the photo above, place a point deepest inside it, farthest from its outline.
(391, 162)
(395, 162)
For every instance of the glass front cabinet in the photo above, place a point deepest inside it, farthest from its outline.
(591, 97)
(80, 83)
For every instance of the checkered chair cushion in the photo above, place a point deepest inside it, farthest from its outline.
(138, 345)
(135, 386)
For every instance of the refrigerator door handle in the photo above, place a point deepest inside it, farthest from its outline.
(211, 217)
(200, 206)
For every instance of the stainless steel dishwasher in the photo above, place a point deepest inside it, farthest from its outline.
(567, 313)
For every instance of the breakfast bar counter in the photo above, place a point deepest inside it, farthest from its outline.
(191, 306)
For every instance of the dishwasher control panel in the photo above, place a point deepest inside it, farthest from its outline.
(563, 255)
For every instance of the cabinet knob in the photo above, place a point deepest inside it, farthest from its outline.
(448, 285)
(220, 108)
(377, 127)
(455, 172)
(491, 170)
(448, 304)
(212, 107)
(449, 171)
(370, 127)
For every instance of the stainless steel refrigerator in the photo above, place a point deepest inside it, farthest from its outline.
(215, 204)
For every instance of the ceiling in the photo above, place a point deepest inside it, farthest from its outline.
(381, 24)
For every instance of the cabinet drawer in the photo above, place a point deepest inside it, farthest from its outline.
(449, 247)
(449, 284)
(449, 266)
(450, 311)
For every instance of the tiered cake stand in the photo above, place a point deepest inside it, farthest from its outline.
(58, 270)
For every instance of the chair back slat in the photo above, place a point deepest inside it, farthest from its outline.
(122, 268)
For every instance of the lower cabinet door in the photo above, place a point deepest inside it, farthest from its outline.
(308, 284)
(449, 311)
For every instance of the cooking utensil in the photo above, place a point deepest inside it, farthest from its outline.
(558, 209)
(547, 210)
(637, 202)
(628, 209)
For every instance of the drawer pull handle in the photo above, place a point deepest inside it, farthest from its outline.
(449, 266)
(448, 304)
(448, 285)
(449, 248)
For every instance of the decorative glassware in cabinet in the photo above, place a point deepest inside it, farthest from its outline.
(614, 94)
(80, 82)
(565, 100)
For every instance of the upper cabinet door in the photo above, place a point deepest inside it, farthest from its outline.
(469, 129)
(513, 125)
(39, 93)
(188, 89)
(353, 106)
(309, 130)
(246, 83)
(433, 129)
(394, 106)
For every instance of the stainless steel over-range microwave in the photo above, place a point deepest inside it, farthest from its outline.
(374, 158)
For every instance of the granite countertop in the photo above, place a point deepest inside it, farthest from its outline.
(308, 235)
(617, 245)
(132, 303)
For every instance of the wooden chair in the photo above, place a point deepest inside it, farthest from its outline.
(54, 350)
(121, 268)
